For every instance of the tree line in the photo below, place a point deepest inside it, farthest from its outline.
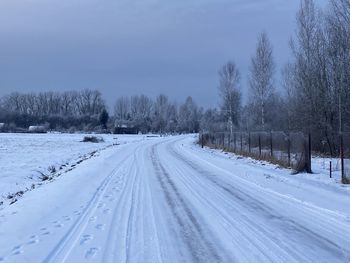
(158, 115)
(314, 94)
(70, 110)
(86, 110)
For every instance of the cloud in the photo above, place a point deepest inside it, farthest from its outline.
(173, 47)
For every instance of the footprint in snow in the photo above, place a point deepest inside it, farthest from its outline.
(107, 211)
(17, 250)
(100, 226)
(66, 218)
(85, 239)
(32, 242)
(77, 213)
(46, 233)
(91, 252)
(92, 219)
(100, 205)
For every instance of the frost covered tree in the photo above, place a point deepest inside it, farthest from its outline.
(172, 118)
(338, 47)
(188, 116)
(230, 94)
(289, 94)
(318, 78)
(122, 110)
(212, 121)
(141, 110)
(160, 116)
(261, 79)
(90, 102)
(61, 110)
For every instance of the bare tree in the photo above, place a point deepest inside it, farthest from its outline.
(261, 76)
(230, 93)
(90, 102)
(288, 85)
(122, 109)
(188, 116)
(160, 116)
(140, 108)
(341, 9)
(338, 36)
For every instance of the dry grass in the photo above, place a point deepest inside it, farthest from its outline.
(345, 180)
(263, 157)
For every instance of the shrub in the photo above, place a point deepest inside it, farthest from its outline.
(52, 169)
(93, 139)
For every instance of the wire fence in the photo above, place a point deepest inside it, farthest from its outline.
(289, 150)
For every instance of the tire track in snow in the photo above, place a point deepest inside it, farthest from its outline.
(199, 246)
(129, 230)
(241, 228)
(121, 232)
(284, 224)
(64, 247)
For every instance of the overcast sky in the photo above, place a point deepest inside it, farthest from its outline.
(127, 47)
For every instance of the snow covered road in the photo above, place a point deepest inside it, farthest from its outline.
(167, 200)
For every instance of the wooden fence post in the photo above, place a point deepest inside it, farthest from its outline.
(259, 141)
(288, 146)
(229, 142)
(310, 154)
(235, 141)
(241, 143)
(271, 144)
(343, 176)
(249, 142)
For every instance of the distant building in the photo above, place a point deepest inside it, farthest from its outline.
(125, 127)
(37, 129)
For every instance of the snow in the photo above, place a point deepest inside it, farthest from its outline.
(24, 157)
(165, 199)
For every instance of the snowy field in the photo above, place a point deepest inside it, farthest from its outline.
(25, 158)
(168, 200)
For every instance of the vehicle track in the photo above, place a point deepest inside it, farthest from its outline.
(199, 246)
(272, 217)
(63, 249)
(126, 229)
